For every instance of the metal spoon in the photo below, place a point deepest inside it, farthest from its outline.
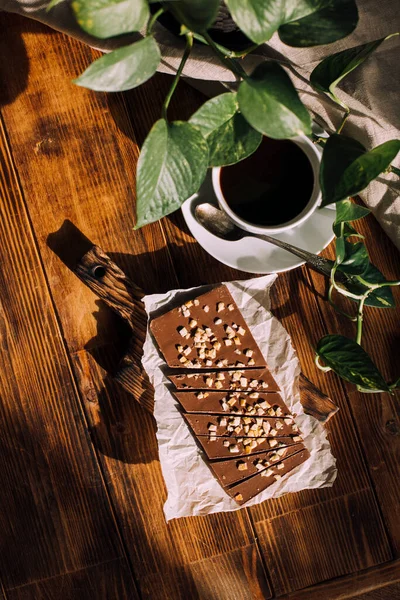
(218, 223)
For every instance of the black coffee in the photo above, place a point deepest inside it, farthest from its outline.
(270, 187)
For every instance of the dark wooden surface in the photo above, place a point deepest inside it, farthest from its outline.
(82, 492)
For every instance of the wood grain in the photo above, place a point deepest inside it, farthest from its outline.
(122, 433)
(76, 152)
(54, 512)
(103, 581)
(288, 542)
(376, 416)
(378, 583)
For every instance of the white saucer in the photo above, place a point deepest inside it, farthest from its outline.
(254, 255)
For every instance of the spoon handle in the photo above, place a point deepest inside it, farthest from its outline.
(321, 264)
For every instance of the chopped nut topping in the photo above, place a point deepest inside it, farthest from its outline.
(251, 362)
(192, 323)
(273, 432)
(266, 427)
(226, 443)
(187, 350)
(248, 352)
(237, 341)
(227, 342)
(217, 321)
(280, 466)
(241, 331)
(231, 307)
(220, 377)
(206, 308)
(239, 364)
(223, 421)
(294, 427)
(219, 385)
(281, 451)
(271, 412)
(217, 345)
(264, 384)
(182, 331)
(237, 351)
(253, 444)
(208, 363)
(243, 381)
(199, 395)
(242, 402)
(229, 329)
(256, 395)
(297, 438)
(182, 359)
(273, 443)
(279, 425)
(209, 381)
(219, 364)
(212, 437)
(242, 466)
(277, 476)
(233, 448)
(236, 376)
(212, 427)
(225, 406)
(278, 411)
(232, 401)
(238, 497)
(196, 302)
(247, 450)
(189, 303)
(220, 306)
(186, 312)
(253, 383)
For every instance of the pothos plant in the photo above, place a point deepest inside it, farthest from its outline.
(228, 128)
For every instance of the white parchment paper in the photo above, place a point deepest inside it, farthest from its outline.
(192, 488)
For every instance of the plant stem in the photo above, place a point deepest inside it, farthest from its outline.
(346, 116)
(321, 367)
(189, 45)
(360, 319)
(153, 19)
(242, 53)
(339, 310)
(229, 62)
(395, 170)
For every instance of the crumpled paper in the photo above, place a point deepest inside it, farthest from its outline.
(191, 486)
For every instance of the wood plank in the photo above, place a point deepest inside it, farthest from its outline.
(376, 416)
(323, 541)
(54, 511)
(69, 178)
(377, 583)
(99, 582)
(233, 575)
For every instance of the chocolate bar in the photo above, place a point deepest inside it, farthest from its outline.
(268, 404)
(239, 379)
(248, 488)
(206, 332)
(238, 426)
(233, 470)
(220, 447)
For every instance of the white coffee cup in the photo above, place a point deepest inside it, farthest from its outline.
(314, 156)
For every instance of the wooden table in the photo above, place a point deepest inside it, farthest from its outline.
(81, 504)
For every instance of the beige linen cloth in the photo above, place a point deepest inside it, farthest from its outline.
(371, 91)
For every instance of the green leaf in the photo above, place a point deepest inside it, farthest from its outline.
(259, 19)
(379, 298)
(270, 103)
(355, 259)
(332, 22)
(395, 385)
(346, 210)
(330, 72)
(106, 18)
(122, 69)
(171, 168)
(348, 231)
(229, 136)
(350, 361)
(347, 168)
(197, 15)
